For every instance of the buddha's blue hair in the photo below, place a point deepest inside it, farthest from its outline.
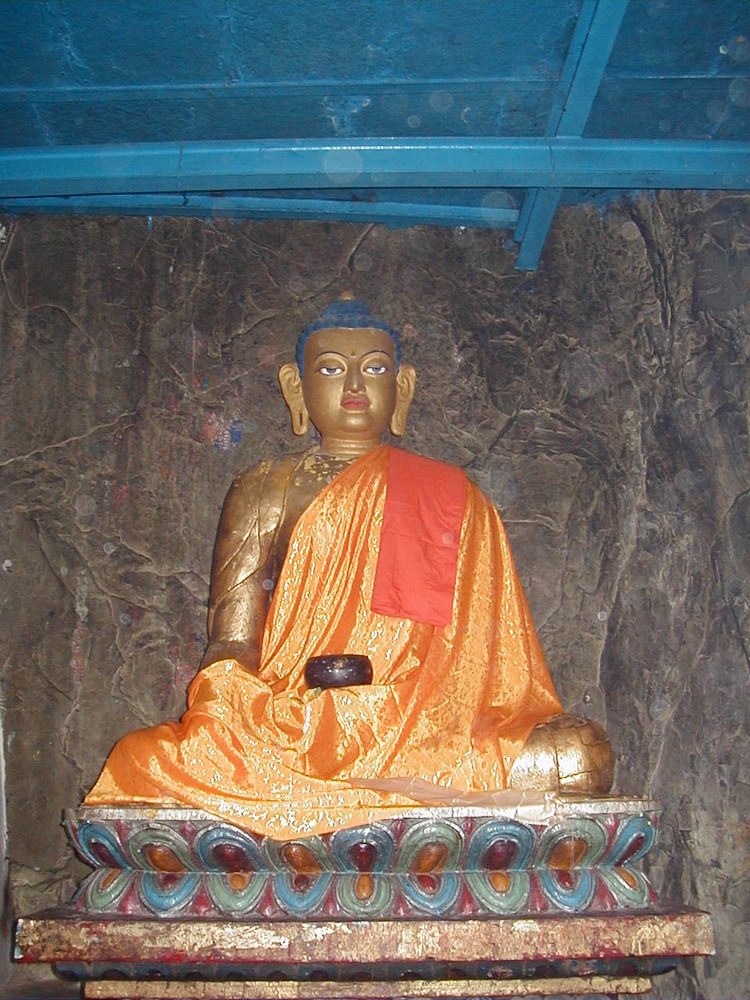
(345, 314)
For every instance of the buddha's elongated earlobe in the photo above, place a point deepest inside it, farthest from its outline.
(291, 389)
(406, 381)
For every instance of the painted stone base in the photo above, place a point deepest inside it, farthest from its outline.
(545, 897)
(573, 986)
(360, 958)
(561, 854)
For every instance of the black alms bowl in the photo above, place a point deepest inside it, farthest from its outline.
(346, 670)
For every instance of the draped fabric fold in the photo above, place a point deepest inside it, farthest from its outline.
(450, 705)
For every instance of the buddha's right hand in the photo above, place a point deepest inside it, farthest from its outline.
(246, 654)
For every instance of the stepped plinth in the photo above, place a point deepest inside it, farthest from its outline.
(545, 897)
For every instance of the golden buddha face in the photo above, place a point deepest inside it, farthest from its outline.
(351, 390)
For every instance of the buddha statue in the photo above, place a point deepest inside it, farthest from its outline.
(354, 547)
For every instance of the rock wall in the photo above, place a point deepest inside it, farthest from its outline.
(602, 402)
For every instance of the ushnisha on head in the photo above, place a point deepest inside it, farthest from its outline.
(348, 381)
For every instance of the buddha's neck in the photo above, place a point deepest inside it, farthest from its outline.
(346, 451)
(318, 459)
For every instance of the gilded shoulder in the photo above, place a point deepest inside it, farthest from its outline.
(265, 478)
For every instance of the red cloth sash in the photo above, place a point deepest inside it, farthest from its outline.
(422, 519)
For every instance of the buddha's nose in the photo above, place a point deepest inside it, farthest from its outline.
(353, 382)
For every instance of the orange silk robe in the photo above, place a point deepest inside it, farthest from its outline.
(451, 705)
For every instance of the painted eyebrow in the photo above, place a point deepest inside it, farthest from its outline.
(338, 354)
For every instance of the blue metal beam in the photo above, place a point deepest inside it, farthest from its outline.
(393, 213)
(537, 227)
(592, 63)
(559, 99)
(560, 161)
(575, 57)
(590, 48)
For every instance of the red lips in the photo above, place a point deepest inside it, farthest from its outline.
(356, 403)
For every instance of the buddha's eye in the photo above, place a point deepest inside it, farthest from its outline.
(330, 369)
(376, 369)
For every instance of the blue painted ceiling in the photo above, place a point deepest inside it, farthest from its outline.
(483, 112)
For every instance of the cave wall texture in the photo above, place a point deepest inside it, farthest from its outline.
(602, 403)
